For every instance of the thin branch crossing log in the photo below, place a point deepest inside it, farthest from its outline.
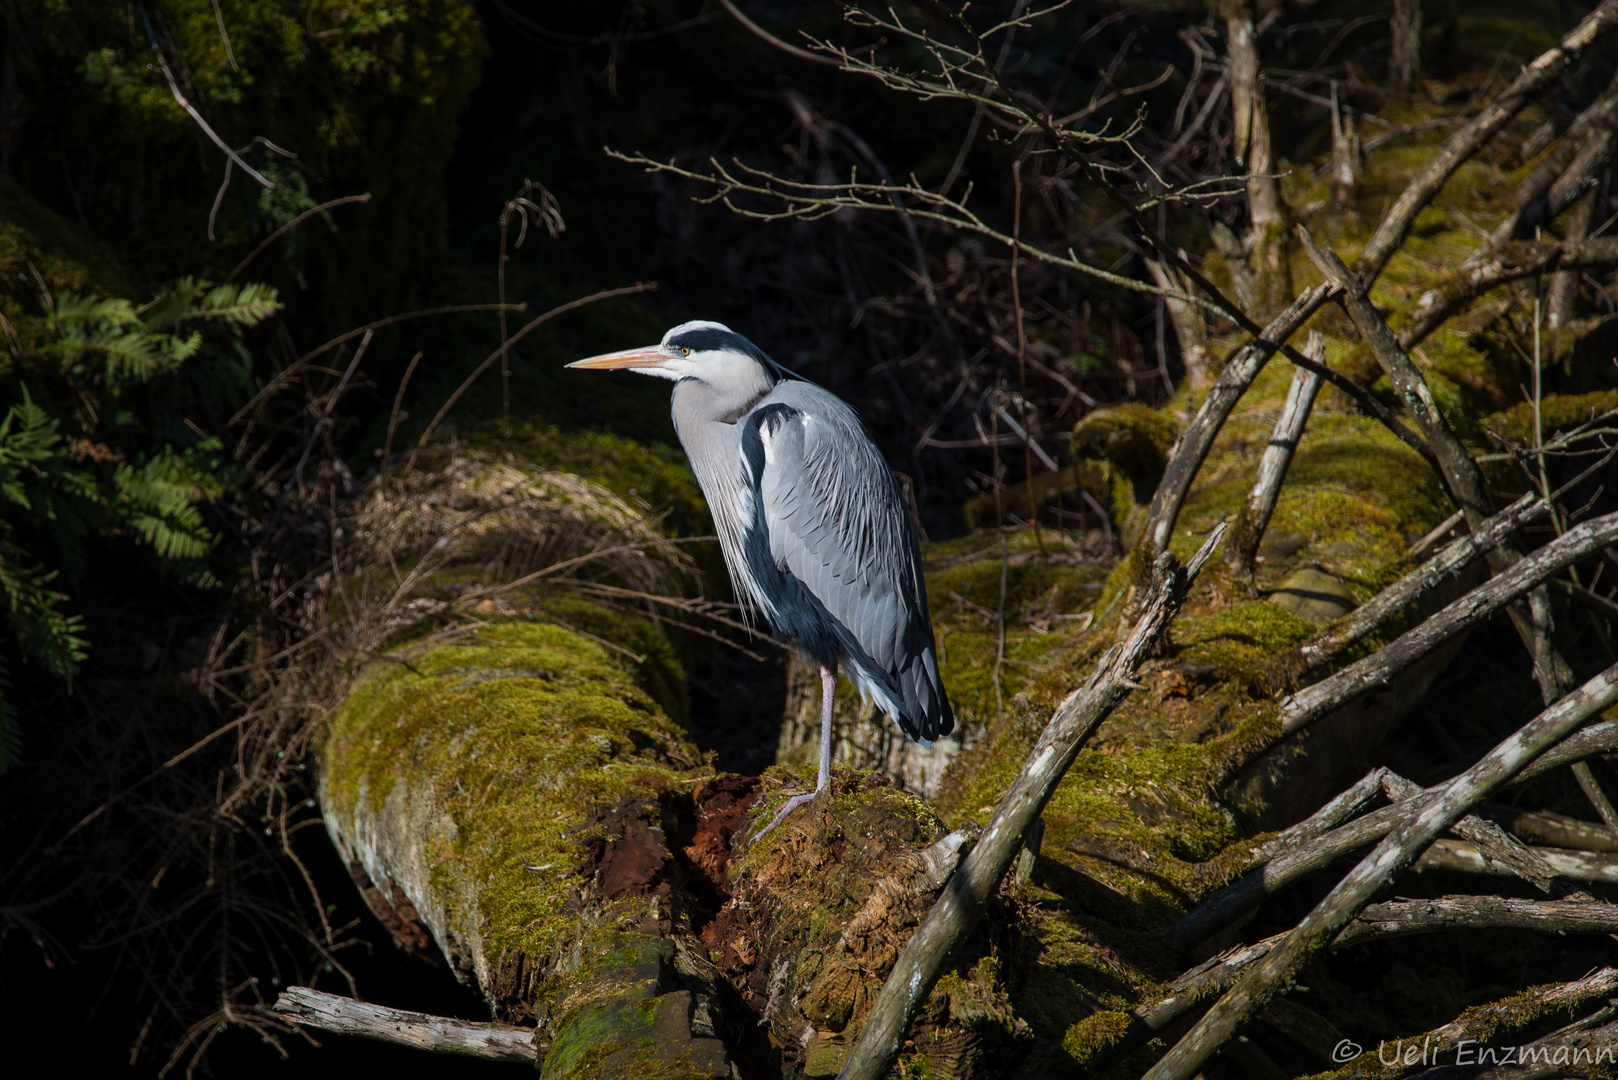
(1254, 517)
(961, 903)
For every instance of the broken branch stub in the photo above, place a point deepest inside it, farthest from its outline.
(419, 1031)
(961, 903)
(1254, 516)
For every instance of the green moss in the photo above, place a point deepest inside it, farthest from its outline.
(1047, 593)
(521, 728)
(1557, 412)
(1090, 1036)
(1135, 440)
(1237, 639)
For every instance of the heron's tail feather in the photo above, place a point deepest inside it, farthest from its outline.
(914, 696)
(927, 706)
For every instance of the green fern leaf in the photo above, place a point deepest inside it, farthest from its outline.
(238, 305)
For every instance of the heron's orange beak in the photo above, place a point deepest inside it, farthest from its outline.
(647, 356)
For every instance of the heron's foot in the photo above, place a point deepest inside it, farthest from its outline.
(786, 808)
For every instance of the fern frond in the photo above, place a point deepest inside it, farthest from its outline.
(158, 502)
(23, 448)
(238, 305)
(46, 635)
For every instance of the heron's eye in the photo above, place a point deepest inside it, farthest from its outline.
(684, 351)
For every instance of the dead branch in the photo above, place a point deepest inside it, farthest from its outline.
(1327, 818)
(1461, 474)
(1301, 851)
(1450, 560)
(420, 1031)
(1403, 918)
(1279, 967)
(1510, 262)
(962, 902)
(1485, 1022)
(1254, 516)
(1378, 922)
(1196, 352)
(1534, 78)
(1466, 856)
(1250, 117)
(1557, 180)
(1603, 806)
(1404, 53)
(1304, 707)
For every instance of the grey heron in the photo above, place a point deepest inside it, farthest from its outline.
(815, 531)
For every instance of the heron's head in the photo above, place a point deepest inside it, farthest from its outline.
(709, 351)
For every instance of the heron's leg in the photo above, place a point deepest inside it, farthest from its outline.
(828, 694)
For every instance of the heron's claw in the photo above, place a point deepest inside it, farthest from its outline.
(786, 808)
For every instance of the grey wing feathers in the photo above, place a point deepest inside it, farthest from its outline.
(838, 522)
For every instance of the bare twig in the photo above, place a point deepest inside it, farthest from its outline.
(393, 419)
(964, 898)
(292, 370)
(191, 110)
(1396, 852)
(764, 35)
(293, 224)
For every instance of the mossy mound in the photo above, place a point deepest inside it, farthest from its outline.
(820, 909)
(654, 476)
